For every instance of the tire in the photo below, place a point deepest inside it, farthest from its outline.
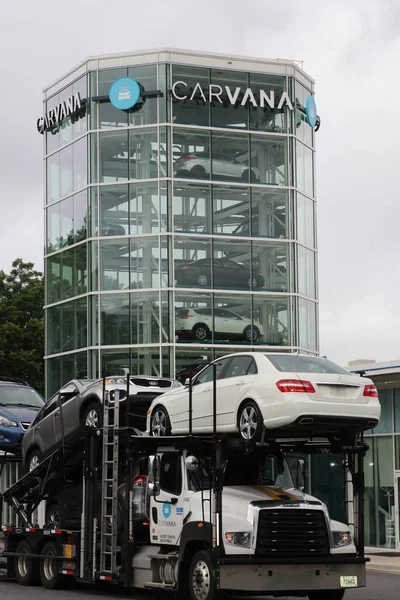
(198, 172)
(251, 336)
(34, 459)
(92, 415)
(326, 595)
(50, 575)
(253, 177)
(250, 421)
(26, 569)
(160, 424)
(245, 176)
(55, 516)
(202, 280)
(202, 584)
(201, 332)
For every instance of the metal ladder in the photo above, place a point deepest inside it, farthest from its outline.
(109, 497)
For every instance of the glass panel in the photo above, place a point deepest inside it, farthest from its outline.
(306, 272)
(146, 361)
(93, 320)
(80, 217)
(192, 262)
(305, 221)
(53, 376)
(165, 207)
(232, 320)
(81, 275)
(53, 330)
(93, 106)
(79, 123)
(230, 158)
(190, 361)
(192, 208)
(232, 265)
(144, 264)
(53, 228)
(80, 323)
(385, 424)
(191, 154)
(144, 112)
(116, 362)
(305, 170)
(270, 213)
(165, 151)
(53, 178)
(68, 274)
(163, 101)
(166, 322)
(231, 210)
(113, 156)
(271, 266)
(303, 130)
(53, 274)
(268, 160)
(93, 158)
(114, 264)
(190, 85)
(145, 318)
(115, 319)
(52, 135)
(223, 112)
(114, 210)
(94, 265)
(379, 493)
(166, 260)
(67, 221)
(109, 115)
(396, 400)
(193, 318)
(67, 326)
(307, 325)
(66, 171)
(266, 118)
(80, 158)
(272, 313)
(65, 127)
(143, 153)
(143, 208)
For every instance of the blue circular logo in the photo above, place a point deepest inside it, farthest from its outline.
(311, 111)
(124, 93)
(166, 509)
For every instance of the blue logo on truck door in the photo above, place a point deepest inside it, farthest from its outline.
(166, 510)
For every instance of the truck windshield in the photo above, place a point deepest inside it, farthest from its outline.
(269, 469)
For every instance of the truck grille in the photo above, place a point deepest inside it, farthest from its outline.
(292, 533)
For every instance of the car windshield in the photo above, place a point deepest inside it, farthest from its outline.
(13, 395)
(247, 470)
(304, 364)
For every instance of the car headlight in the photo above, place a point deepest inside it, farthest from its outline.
(176, 384)
(238, 538)
(7, 423)
(342, 538)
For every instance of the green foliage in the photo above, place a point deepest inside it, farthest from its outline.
(22, 324)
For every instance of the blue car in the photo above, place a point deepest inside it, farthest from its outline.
(19, 405)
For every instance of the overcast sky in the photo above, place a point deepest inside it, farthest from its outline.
(350, 47)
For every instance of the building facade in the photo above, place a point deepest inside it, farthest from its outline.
(180, 213)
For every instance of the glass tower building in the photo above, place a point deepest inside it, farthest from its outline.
(180, 213)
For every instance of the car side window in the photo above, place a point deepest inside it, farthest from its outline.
(241, 366)
(207, 375)
(171, 473)
(49, 408)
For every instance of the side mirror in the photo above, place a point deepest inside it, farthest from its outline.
(300, 473)
(187, 382)
(153, 486)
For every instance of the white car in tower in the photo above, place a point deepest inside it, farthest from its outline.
(285, 394)
(199, 323)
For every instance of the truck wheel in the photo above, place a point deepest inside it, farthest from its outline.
(50, 575)
(326, 595)
(202, 585)
(26, 569)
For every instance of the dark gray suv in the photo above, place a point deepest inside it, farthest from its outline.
(80, 401)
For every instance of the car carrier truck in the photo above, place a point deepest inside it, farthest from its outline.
(199, 516)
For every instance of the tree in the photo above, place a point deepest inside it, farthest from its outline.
(22, 324)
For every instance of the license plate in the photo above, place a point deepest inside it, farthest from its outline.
(348, 581)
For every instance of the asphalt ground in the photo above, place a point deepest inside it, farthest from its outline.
(380, 586)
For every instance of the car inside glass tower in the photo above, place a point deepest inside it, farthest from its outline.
(181, 229)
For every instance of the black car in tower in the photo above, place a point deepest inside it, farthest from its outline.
(227, 274)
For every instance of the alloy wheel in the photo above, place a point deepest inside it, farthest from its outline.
(33, 463)
(248, 423)
(54, 519)
(92, 418)
(201, 580)
(159, 423)
(202, 280)
(201, 333)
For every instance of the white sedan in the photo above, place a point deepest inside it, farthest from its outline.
(286, 394)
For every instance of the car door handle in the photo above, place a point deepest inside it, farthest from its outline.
(241, 382)
(57, 414)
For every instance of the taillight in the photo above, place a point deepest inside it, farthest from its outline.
(186, 268)
(139, 480)
(189, 158)
(370, 390)
(295, 385)
(187, 317)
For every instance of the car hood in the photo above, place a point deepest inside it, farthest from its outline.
(19, 413)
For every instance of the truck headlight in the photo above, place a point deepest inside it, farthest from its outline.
(238, 538)
(7, 423)
(342, 538)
